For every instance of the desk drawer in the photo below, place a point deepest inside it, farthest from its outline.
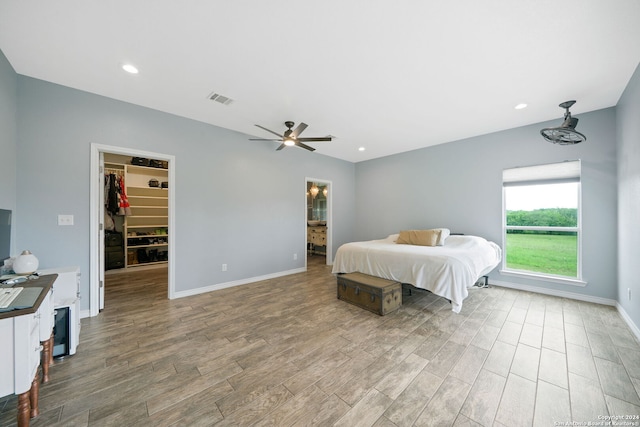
(26, 351)
(46, 317)
(34, 350)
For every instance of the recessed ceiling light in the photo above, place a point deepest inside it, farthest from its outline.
(130, 69)
(521, 106)
(361, 149)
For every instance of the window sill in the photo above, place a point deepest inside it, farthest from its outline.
(546, 278)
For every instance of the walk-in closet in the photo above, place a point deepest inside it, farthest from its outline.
(136, 218)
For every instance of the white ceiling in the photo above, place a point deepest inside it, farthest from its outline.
(390, 76)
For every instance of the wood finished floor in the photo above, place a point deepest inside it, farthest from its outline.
(286, 352)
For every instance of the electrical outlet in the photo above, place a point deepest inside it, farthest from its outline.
(65, 219)
(224, 267)
(629, 292)
(295, 257)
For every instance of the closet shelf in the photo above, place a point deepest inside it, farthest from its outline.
(154, 245)
(146, 188)
(145, 169)
(135, 196)
(149, 206)
(146, 263)
(112, 165)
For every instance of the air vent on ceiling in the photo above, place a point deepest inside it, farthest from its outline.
(220, 98)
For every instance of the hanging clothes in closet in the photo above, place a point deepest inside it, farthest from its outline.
(116, 202)
(111, 189)
(125, 207)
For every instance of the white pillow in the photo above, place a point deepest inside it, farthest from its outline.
(444, 233)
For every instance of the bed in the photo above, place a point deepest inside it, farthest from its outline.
(447, 270)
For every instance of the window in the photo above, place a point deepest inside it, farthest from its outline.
(541, 220)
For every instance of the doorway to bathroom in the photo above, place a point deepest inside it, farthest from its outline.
(318, 220)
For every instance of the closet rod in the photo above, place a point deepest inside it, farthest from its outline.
(114, 171)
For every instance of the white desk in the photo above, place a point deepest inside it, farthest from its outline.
(23, 336)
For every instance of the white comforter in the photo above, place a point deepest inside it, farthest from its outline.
(446, 270)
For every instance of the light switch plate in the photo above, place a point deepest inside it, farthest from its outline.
(65, 219)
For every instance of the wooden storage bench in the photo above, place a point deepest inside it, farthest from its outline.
(375, 294)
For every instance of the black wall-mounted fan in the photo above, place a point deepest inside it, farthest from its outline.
(566, 133)
(291, 137)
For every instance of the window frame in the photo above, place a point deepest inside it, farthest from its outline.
(545, 174)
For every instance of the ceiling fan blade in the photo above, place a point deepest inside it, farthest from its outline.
(297, 131)
(263, 139)
(319, 139)
(281, 146)
(269, 130)
(306, 147)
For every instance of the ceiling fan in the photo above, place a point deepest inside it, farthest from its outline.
(291, 137)
(566, 133)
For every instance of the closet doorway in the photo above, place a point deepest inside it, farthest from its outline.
(318, 208)
(132, 205)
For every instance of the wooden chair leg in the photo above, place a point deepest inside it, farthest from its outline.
(24, 408)
(46, 355)
(33, 397)
(51, 351)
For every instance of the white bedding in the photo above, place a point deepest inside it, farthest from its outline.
(446, 270)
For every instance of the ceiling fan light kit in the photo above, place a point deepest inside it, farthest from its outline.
(291, 137)
(566, 133)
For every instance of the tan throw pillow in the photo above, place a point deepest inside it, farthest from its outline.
(419, 237)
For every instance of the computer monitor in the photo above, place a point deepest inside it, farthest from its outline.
(5, 234)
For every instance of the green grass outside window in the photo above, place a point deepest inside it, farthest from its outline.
(543, 253)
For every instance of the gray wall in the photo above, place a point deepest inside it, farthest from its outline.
(628, 128)
(8, 133)
(8, 138)
(238, 202)
(458, 185)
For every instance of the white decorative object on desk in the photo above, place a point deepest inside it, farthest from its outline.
(25, 263)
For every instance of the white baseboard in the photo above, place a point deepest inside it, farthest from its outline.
(85, 313)
(218, 286)
(634, 328)
(572, 295)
